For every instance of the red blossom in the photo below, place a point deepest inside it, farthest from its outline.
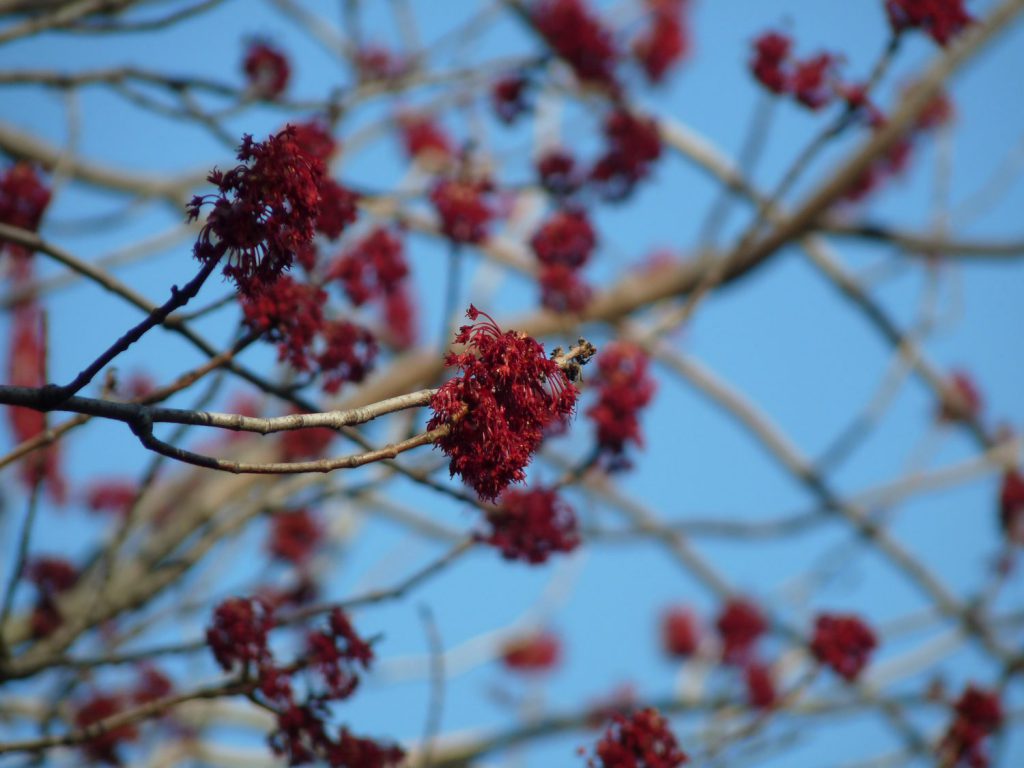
(562, 289)
(498, 406)
(1011, 506)
(680, 635)
(264, 211)
(337, 209)
(348, 354)
(294, 536)
(579, 38)
(400, 317)
(640, 740)
(352, 751)
(51, 576)
(371, 267)
(289, 313)
(463, 209)
(103, 747)
(337, 654)
(23, 200)
(941, 19)
(665, 41)
(266, 69)
(770, 62)
(115, 496)
(238, 635)
(632, 146)
(558, 172)
(978, 714)
(538, 652)
(314, 138)
(962, 400)
(739, 625)
(531, 525)
(566, 238)
(760, 683)
(843, 643)
(151, 685)
(424, 140)
(624, 388)
(508, 97)
(812, 81)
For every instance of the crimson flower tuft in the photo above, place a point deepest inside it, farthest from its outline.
(624, 388)
(640, 740)
(566, 238)
(680, 635)
(535, 653)
(769, 65)
(294, 535)
(666, 40)
(348, 354)
(400, 317)
(115, 495)
(1011, 506)
(509, 97)
(289, 313)
(962, 401)
(314, 139)
(337, 654)
(103, 747)
(266, 69)
(264, 211)
(761, 693)
(562, 289)
(424, 140)
(843, 643)
(498, 406)
(51, 576)
(632, 146)
(337, 209)
(151, 685)
(531, 525)
(739, 626)
(941, 19)
(238, 636)
(978, 714)
(23, 200)
(812, 81)
(578, 37)
(371, 267)
(463, 209)
(558, 173)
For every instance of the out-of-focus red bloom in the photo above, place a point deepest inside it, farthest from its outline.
(624, 388)
(137, 385)
(424, 140)
(359, 752)
(103, 748)
(338, 209)
(498, 406)
(641, 739)
(374, 62)
(739, 626)
(761, 693)
(348, 355)
(566, 238)
(311, 443)
(622, 700)
(770, 62)
(151, 685)
(812, 80)
(400, 317)
(115, 496)
(371, 267)
(264, 211)
(462, 206)
(314, 138)
(266, 69)
(941, 19)
(336, 655)
(579, 38)
(238, 635)
(538, 652)
(680, 635)
(937, 113)
(665, 41)
(23, 200)
(1011, 506)
(51, 576)
(509, 97)
(978, 714)
(294, 535)
(632, 146)
(962, 400)
(289, 313)
(562, 289)
(531, 525)
(844, 643)
(558, 172)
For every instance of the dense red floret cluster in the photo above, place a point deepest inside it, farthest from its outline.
(337, 655)
(509, 97)
(99, 706)
(348, 354)
(1011, 506)
(338, 209)
(531, 525)
(265, 210)
(400, 317)
(624, 388)
(266, 69)
(238, 635)
(294, 536)
(424, 140)
(558, 173)
(640, 740)
(371, 267)
(498, 406)
(680, 635)
(739, 626)
(115, 496)
(463, 209)
(962, 400)
(562, 289)
(314, 138)
(843, 643)
(289, 313)
(941, 19)
(666, 39)
(760, 684)
(563, 245)
(579, 38)
(632, 145)
(51, 576)
(978, 714)
(23, 201)
(538, 652)
(812, 81)
(770, 64)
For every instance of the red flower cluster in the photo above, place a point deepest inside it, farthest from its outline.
(51, 576)
(624, 389)
(289, 313)
(103, 748)
(23, 200)
(337, 655)
(424, 140)
(979, 714)
(539, 652)
(375, 62)
(557, 172)
(962, 400)
(1011, 506)
(314, 139)
(680, 635)
(508, 97)
(264, 212)
(348, 354)
(578, 37)
(400, 317)
(632, 146)
(811, 81)
(338, 209)
(666, 40)
(115, 496)
(372, 267)
(844, 643)
(641, 739)
(498, 407)
(739, 625)
(563, 245)
(531, 525)
(294, 536)
(463, 209)
(761, 693)
(266, 69)
(238, 636)
(942, 19)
